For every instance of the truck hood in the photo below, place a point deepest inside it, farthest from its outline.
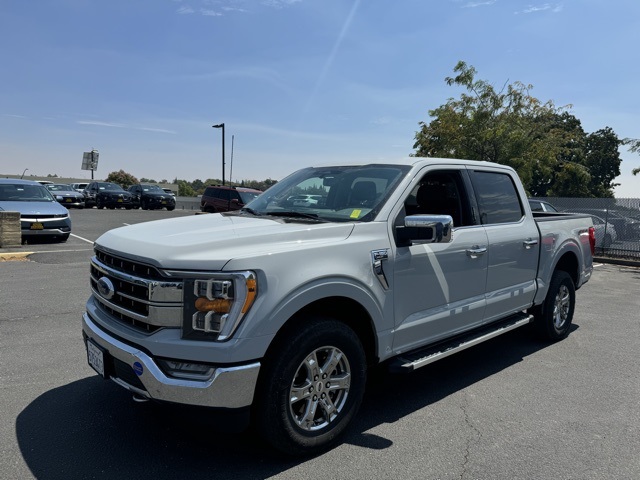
(208, 242)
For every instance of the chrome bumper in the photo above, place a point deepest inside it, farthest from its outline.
(228, 387)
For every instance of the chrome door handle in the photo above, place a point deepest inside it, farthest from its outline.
(476, 251)
(529, 243)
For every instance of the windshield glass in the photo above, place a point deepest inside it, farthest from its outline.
(246, 197)
(60, 188)
(112, 187)
(333, 194)
(152, 188)
(25, 193)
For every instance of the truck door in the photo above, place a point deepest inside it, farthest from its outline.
(513, 240)
(439, 288)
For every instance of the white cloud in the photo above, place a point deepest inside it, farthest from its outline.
(186, 10)
(122, 125)
(546, 7)
(479, 4)
(210, 13)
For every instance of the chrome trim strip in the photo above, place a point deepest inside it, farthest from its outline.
(165, 316)
(228, 387)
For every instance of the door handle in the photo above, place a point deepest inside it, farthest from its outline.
(529, 243)
(476, 251)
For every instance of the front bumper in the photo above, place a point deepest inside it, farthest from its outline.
(228, 387)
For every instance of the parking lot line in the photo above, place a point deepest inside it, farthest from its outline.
(83, 239)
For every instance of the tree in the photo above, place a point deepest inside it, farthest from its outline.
(122, 178)
(545, 144)
(184, 189)
(634, 147)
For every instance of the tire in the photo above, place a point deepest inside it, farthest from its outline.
(329, 394)
(143, 205)
(170, 209)
(553, 318)
(99, 205)
(64, 238)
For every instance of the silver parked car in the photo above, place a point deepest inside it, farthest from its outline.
(40, 213)
(66, 195)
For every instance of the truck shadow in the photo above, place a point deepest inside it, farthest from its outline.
(92, 429)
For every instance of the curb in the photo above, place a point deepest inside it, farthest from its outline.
(617, 261)
(14, 256)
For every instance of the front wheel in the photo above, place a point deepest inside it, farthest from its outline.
(311, 387)
(553, 318)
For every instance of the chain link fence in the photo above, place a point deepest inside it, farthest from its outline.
(617, 223)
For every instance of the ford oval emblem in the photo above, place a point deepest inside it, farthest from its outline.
(106, 288)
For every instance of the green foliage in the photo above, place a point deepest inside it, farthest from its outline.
(634, 147)
(122, 178)
(149, 180)
(185, 190)
(545, 144)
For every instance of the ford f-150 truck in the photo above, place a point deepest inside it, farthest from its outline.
(277, 311)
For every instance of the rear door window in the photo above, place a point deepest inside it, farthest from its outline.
(498, 199)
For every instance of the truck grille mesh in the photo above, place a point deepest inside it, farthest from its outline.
(134, 286)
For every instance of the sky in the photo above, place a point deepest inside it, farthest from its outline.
(296, 82)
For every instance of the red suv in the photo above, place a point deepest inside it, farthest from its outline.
(221, 198)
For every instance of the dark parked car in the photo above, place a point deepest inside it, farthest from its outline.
(40, 214)
(107, 194)
(66, 195)
(151, 197)
(221, 198)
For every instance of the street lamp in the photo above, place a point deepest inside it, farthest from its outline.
(22, 176)
(221, 125)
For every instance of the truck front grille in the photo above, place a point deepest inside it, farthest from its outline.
(135, 294)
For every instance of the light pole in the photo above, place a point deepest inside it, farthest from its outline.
(22, 176)
(221, 125)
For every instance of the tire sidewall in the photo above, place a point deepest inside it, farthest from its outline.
(275, 419)
(546, 320)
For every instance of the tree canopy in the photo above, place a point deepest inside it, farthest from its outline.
(122, 178)
(544, 143)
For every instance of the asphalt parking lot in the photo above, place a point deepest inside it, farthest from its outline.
(511, 408)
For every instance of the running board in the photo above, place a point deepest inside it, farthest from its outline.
(415, 359)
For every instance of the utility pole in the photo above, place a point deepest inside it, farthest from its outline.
(221, 125)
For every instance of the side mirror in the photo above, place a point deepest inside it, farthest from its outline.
(425, 229)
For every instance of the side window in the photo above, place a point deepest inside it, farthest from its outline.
(497, 197)
(441, 192)
(235, 195)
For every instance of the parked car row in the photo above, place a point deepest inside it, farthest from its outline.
(111, 195)
(610, 225)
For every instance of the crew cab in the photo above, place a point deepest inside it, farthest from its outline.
(276, 312)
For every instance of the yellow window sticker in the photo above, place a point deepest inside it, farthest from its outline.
(356, 213)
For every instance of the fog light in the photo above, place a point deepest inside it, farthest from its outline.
(188, 371)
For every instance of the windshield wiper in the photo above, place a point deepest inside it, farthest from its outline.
(251, 211)
(294, 214)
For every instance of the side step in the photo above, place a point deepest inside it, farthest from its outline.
(410, 361)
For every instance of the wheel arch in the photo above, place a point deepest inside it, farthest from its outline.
(340, 308)
(568, 262)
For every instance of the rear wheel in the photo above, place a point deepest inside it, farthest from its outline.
(311, 387)
(553, 318)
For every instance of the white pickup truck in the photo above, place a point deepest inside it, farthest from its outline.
(276, 312)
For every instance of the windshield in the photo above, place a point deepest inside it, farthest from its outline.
(60, 188)
(246, 197)
(110, 187)
(333, 194)
(24, 193)
(152, 189)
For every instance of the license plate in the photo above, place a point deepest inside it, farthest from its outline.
(69, 200)
(164, 202)
(119, 200)
(95, 356)
(37, 226)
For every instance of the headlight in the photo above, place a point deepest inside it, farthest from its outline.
(214, 306)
